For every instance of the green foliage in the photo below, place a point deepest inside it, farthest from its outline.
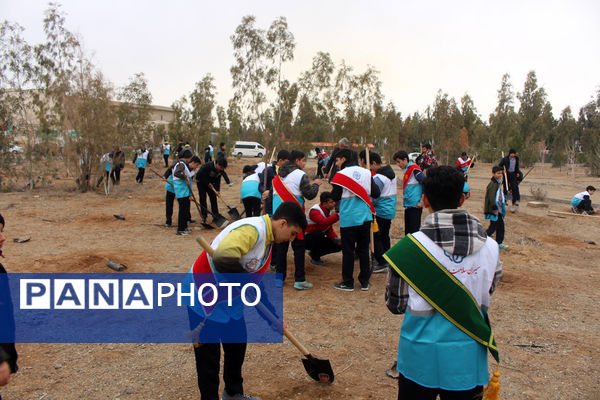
(589, 118)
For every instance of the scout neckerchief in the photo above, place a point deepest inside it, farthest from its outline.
(408, 173)
(286, 195)
(441, 290)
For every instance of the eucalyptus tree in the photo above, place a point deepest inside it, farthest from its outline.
(202, 102)
(503, 121)
(133, 113)
(589, 120)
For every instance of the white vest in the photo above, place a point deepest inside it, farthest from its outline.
(292, 182)
(315, 207)
(252, 177)
(360, 175)
(257, 256)
(390, 189)
(476, 272)
(143, 155)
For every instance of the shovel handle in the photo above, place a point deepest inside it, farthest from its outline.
(206, 246)
(218, 195)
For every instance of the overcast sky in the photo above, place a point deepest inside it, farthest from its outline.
(419, 47)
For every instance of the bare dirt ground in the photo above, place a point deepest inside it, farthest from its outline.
(544, 312)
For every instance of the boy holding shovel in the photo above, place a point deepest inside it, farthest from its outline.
(242, 247)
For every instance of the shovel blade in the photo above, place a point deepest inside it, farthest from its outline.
(318, 369)
(234, 213)
(207, 226)
(220, 221)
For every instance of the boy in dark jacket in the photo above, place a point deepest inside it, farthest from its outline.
(282, 157)
(514, 175)
(8, 352)
(495, 206)
(210, 174)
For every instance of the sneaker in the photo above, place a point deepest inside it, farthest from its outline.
(238, 396)
(343, 286)
(302, 285)
(364, 286)
(168, 226)
(589, 212)
(192, 221)
(316, 262)
(502, 246)
(183, 233)
(377, 268)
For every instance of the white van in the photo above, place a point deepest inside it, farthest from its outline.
(248, 149)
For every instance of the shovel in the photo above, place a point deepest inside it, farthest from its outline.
(232, 211)
(508, 192)
(318, 369)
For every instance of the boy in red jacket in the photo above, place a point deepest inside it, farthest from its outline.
(320, 237)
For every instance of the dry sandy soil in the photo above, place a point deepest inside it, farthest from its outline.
(544, 312)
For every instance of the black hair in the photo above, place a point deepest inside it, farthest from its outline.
(292, 213)
(325, 196)
(222, 161)
(590, 188)
(317, 150)
(221, 144)
(249, 168)
(443, 187)
(373, 157)
(187, 153)
(196, 159)
(464, 153)
(496, 168)
(512, 151)
(402, 155)
(296, 155)
(283, 155)
(346, 153)
(1, 223)
(427, 146)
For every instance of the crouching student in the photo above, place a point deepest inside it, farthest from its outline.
(292, 184)
(182, 177)
(251, 197)
(353, 187)
(495, 206)
(320, 237)
(443, 339)
(242, 247)
(582, 202)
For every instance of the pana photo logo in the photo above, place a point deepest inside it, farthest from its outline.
(132, 294)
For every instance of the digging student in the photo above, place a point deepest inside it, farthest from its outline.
(412, 188)
(444, 339)
(353, 187)
(292, 184)
(210, 174)
(249, 192)
(182, 177)
(385, 207)
(8, 351)
(242, 247)
(170, 189)
(495, 206)
(320, 237)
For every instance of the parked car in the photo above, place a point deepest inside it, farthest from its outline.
(15, 149)
(248, 149)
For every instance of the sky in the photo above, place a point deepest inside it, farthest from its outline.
(419, 47)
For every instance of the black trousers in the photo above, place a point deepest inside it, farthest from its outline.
(513, 185)
(184, 213)
(140, 175)
(279, 256)
(356, 238)
(498, 227)
(252, 206)
(169, 199)
(412, 219)
(319, 170)
(585, 205)
(115, 175)
(208, 357)
(166, 158)
(382, 238)
(202, 192)
(410, 390)
(319, 244)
